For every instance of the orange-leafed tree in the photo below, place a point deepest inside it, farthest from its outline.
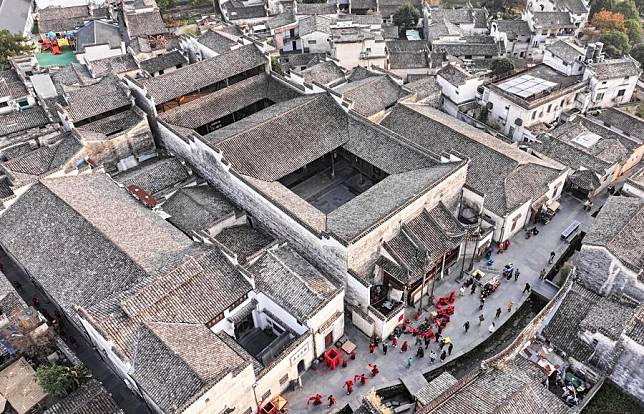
(606, 20)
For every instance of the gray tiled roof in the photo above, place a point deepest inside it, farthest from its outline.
(89, 398)
(364, 5)
(615, 68)
(635, 330)
(145, 23)
(57, 19)
(11, 85)
(514, 180)
(511, 388)
(574, 6)
(194, 289)
(365, 211)
(98, 32)
(583, 310)
(282, 19)
(325, 73)
(429, 235)
(245, 241)
(290, 280)
(315, 23)
(216, 105)
(513, 28)
(372, 95)
(92, 231)
(162, 62)
(629, 125)
(435, 387)
(619, 227)
(454, 75)
(425, 87)
(44, 160)
(112, 65)
(317, 8)
(287, 126)
(113, 124)
(236, 10)
(407, 54)
(567, 52)
(552, 19)
(19, 121)
(461, 49)
(154, 175)
(207, 72)
(216, 41)
(89, 101)
(197, 208)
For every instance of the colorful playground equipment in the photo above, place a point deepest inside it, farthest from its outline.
(47, 44)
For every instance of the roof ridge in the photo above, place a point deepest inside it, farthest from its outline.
(305, 102)
(271, 252)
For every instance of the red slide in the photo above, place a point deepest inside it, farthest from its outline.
(55, 50)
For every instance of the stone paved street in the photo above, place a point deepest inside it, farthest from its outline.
(528, 255)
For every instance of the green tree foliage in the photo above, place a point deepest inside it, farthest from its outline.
(165, 4)
(616, 43)
(406, 17)
(12, 45)
(637, 53)
(59, 380)
(633, 30)
(276, 66)
(502, 66)
(627, 8)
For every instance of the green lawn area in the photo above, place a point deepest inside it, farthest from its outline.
(49, 59)
(609, 399)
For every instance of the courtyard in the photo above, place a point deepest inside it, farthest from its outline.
(530, 256)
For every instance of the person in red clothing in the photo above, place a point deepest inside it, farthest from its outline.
(372, 347)
(362, 378)
(331, 401)
(394, 342)
(404, 346)
(349, 386)
(316, 399)
(374, 370)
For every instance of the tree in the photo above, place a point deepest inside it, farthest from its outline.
(637, 53)
(59, 380)
(627, 8)
(633, 30)
(606, 20)
(12, 45)
(165, 4)
(406, 17)
(616, 43)
(502, 66)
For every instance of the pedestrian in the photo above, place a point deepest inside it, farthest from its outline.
(420, 352)
(442, 344)
(500, 247)
(516, 274)
(481, 319)
(542, 275)
(466, 325)
(362, 378)
(510, 303)
(492, 328)
(449, 348)
(35, 302)
(409, 361)
(432, 356)
(404, 347)
(427, 341)
(349, 385)
(498, 313)
(461, 291)
(438, 337)
(331, 401)
(482, 303)
(419, 340)
(384, 348)
(443, 356)
(473, 289)
(372, 347)
(374, 370)
(552, 257)
(526, 288)
(394, 341)
(507, 244)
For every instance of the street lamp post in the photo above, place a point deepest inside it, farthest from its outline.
(255, 396)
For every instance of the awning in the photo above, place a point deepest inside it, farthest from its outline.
(279, 402)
